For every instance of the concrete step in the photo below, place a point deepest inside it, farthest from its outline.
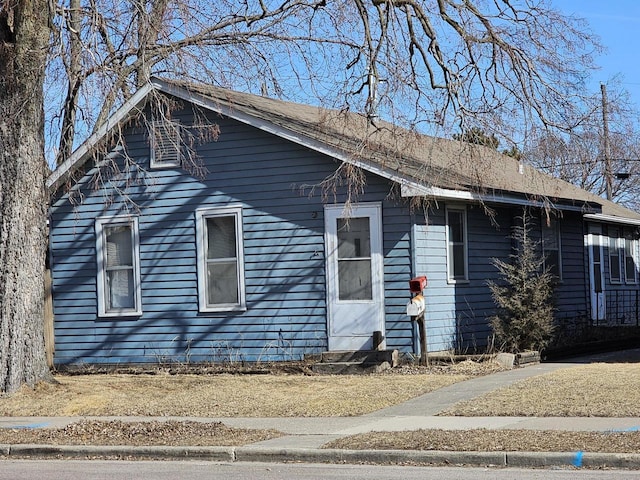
(360, 356)
(354, 362)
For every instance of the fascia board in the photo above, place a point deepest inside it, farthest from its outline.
(603, 218)
(415, 190)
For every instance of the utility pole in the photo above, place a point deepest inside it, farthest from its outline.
(608, 176)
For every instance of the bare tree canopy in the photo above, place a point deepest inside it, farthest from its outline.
(583, 157)
(436, 65)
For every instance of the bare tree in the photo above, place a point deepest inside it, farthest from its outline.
(24, 41)
(438, 66)
(579, 156)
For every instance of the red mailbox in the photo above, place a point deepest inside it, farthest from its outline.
(418, 284)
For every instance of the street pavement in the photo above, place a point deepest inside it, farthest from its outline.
(305, 436)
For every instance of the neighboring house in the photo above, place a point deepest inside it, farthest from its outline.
(168, 245)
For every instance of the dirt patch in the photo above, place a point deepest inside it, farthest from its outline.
(232, 395)
(494, 441)
(169, 433)
(595, 390)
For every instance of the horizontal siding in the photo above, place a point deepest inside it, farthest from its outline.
(284, 255)
(571, 295)
(283, 251)
(457, 314)
(397, 273)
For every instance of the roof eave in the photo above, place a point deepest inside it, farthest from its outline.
(80, 155)
(409, 190)
(603, 218)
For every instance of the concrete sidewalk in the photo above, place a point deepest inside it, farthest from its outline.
(305, 436)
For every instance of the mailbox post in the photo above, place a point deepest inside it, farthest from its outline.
(415, 309)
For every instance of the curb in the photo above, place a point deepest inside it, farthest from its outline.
(216, 454)
(311, 455)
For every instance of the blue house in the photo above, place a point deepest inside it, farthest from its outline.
(201, 224)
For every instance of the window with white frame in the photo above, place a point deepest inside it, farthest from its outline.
(220, 259)
(630, 256)
(118, 259)
(456, 232)
(615, 256)
(165, 142)
(551, 245)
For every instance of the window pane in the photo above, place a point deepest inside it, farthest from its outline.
(630, 266)
(629, 262)
(354, 238)
(457, 260)
(456, 227)
(551, 246)
(614, 256)
(354, 280)
(597, 276)
(120, 289)
(550, 235)
(221, 237)
(119, 247)
(614, 266)
(552, 262)
(457, 251)
(222, 282)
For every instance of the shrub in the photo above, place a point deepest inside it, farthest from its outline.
(524, 296)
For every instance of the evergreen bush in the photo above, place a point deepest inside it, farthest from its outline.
(524, 296)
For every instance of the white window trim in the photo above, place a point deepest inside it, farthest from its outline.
(201, 242)
(450, 278)
(154, 128)
(101, 279)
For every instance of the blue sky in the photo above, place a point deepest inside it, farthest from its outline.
(617, 23)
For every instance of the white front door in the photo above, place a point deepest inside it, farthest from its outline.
(355, 290)
(596, 273)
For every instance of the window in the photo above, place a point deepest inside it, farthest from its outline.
(354, 259)
(615, 256)
(118, 261)
(457, 244)
(630, 249)
(551, 246)
(165, 140)
(220, 259)
(622, 256)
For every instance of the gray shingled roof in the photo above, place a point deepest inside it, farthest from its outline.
(426, 160)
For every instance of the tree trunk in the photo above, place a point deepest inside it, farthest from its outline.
(24, 38)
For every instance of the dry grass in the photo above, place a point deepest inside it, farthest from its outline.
(595, 390)
(589, 390)
(223, 395)
(494, 441)
(138, 433)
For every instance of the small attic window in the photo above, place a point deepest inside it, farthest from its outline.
(165, 143)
